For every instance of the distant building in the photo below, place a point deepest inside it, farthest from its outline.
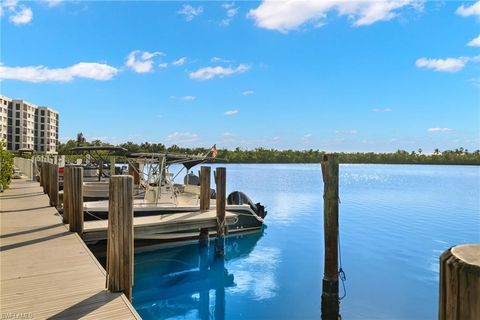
(4, 125)
(29, 127)
(46, 130)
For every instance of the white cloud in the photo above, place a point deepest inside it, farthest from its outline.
(53, 3)
(231, 112)
(208, 73)
(474, 42)
(89, 70)
(22, 15)
(163, 65)
(182, 137)
(231, 11)
(184, 98)
(8, 5)
(439, 130)
(190, 12)
(475, 81)
(141, 62)
(218, 59)
(306, 138)
(443, 65)
(248, 92)
(473, 10)
(180, 62)
(227, 135)
(382, 110)
(290, 14)
(346, 132)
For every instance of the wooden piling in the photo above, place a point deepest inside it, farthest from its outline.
(112, 165)
(34, 169)
(204, 188)
(75, 200)
(45, 176)
(53, 185)
(120, 235)
(204, 201)
(66, 194)
(460, 283)
(133, 170)
(330, 298)
(100, 170)
(40, 168)
(220, 181)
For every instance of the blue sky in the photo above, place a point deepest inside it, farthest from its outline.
(332, 75)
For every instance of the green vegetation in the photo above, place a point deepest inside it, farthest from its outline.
(262, 155)
(6, 166)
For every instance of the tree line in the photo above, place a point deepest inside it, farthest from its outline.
(264, 155)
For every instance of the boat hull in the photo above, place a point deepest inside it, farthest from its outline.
(246, 221)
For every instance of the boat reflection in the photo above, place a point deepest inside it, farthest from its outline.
(187, 281)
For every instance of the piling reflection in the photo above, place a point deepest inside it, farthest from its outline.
(187, 281)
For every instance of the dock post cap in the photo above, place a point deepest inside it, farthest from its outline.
(469, 253)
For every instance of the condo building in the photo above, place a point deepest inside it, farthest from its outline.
(28, 126)
(46, 130)
(5, 102)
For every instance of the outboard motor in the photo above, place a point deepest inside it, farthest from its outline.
(213, 194)
(191, 179)
(238, 198)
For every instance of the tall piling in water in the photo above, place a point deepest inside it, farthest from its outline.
(330, 298)
(220, 181)
(204, 201)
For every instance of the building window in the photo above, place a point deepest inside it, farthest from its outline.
(17, 146)
(18, 114)
(42, 120)
(42, 112)
(17, 123)
(9, 146)
(17, 130)
(42, 127)
(18, 106)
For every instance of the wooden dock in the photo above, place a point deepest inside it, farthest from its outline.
(47, 271)
(150, 226)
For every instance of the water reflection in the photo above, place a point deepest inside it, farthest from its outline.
(188, 281)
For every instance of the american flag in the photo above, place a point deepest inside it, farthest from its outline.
(214, 151)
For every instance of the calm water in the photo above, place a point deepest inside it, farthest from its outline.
(395, 221)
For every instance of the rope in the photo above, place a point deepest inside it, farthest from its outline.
(341, 273)
(221, 224)
(94, 215)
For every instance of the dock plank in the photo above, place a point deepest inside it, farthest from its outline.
(47, 271)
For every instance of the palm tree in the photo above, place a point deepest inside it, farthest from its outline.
(80, 139)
